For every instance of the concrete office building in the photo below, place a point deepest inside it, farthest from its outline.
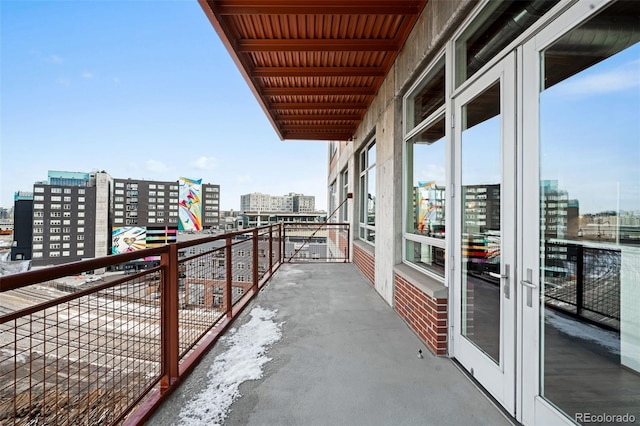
(501, 95)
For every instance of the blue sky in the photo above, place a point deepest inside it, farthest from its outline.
(141, 89)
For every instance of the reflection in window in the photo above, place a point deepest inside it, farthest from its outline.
(500, 23)
(368, 193)
(425, 166)
(590, 215)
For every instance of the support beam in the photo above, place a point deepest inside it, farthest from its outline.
(317, 45)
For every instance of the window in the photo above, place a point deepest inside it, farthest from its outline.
(38, 214)
(367, 203)
(56, 198)
(80, 253)
(81, 199)
(499, 24)
(119, 185)
(67, 191)
(66, 214)
(54, 222)
(344, 215)
(424, 168)
(38, 206)
(333, 200)
(38, 198)
(67, 199)
(38, 189)
(80, 245)
(56, 190)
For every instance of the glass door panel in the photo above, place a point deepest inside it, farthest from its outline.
(484, 215)
(584, 107)
(480, 205)
(589, 214)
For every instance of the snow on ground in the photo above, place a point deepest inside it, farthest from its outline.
(8, 267)
(572, 327)
(242, 361)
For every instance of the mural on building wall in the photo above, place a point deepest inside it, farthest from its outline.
(426, 205)
(128, 238)
(190, 210)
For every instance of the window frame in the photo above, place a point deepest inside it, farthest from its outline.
(440, 113)
(366, 232)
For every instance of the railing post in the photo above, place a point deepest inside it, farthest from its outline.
(348, 243)
(270, 249)
(580, 280)
(283, 237)
(254, 259)
(228, 301)
(169, 317)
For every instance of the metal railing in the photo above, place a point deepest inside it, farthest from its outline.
(75, 350)
(583, 281)
(316, 242)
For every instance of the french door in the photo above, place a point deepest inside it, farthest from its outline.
(485, 222)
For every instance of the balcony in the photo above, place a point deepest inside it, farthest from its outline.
(78, 348)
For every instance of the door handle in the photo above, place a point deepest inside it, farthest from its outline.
(505, 277)
(528, 283)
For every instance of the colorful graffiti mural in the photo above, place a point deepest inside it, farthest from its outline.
(128, 239)
(190, 209)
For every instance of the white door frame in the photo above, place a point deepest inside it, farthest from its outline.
(534, 408)
(499, 380)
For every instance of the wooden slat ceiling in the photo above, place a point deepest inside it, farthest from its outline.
(315, 66)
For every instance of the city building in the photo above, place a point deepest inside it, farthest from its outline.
(23, 226)
(77, 215)
(68, 222)
(292, 202)
(502, 105)
(145, 214)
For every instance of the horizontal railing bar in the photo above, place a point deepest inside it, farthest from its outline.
(11, 282)
(64, 299)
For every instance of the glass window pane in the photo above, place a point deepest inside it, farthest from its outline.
(481, 227)
(426, 175)
(590, 216)
(500, 23)
(426, 256)
(427, 97)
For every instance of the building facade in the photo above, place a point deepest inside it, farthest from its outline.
(524, 236)
(23, 226)
(292, 202)
(65, 213)
(521, 120)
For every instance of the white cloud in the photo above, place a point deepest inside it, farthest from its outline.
(156, 166)
(243, 179)
(65, 82)
(88, 75)
(622, 78)
(54, 59)
(205, 163)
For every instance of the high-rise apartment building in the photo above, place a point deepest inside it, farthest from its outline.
(76, 215)
(22, 226)
(293, 203)
(65, 214)
(145, 214)
(210, 206)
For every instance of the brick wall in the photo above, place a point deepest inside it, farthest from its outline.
(426, 316)
(365, 262)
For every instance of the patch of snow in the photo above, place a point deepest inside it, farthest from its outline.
(242, 361)
(575, 328)
(10, 353)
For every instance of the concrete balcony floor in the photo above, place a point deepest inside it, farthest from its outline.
(344, 358)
